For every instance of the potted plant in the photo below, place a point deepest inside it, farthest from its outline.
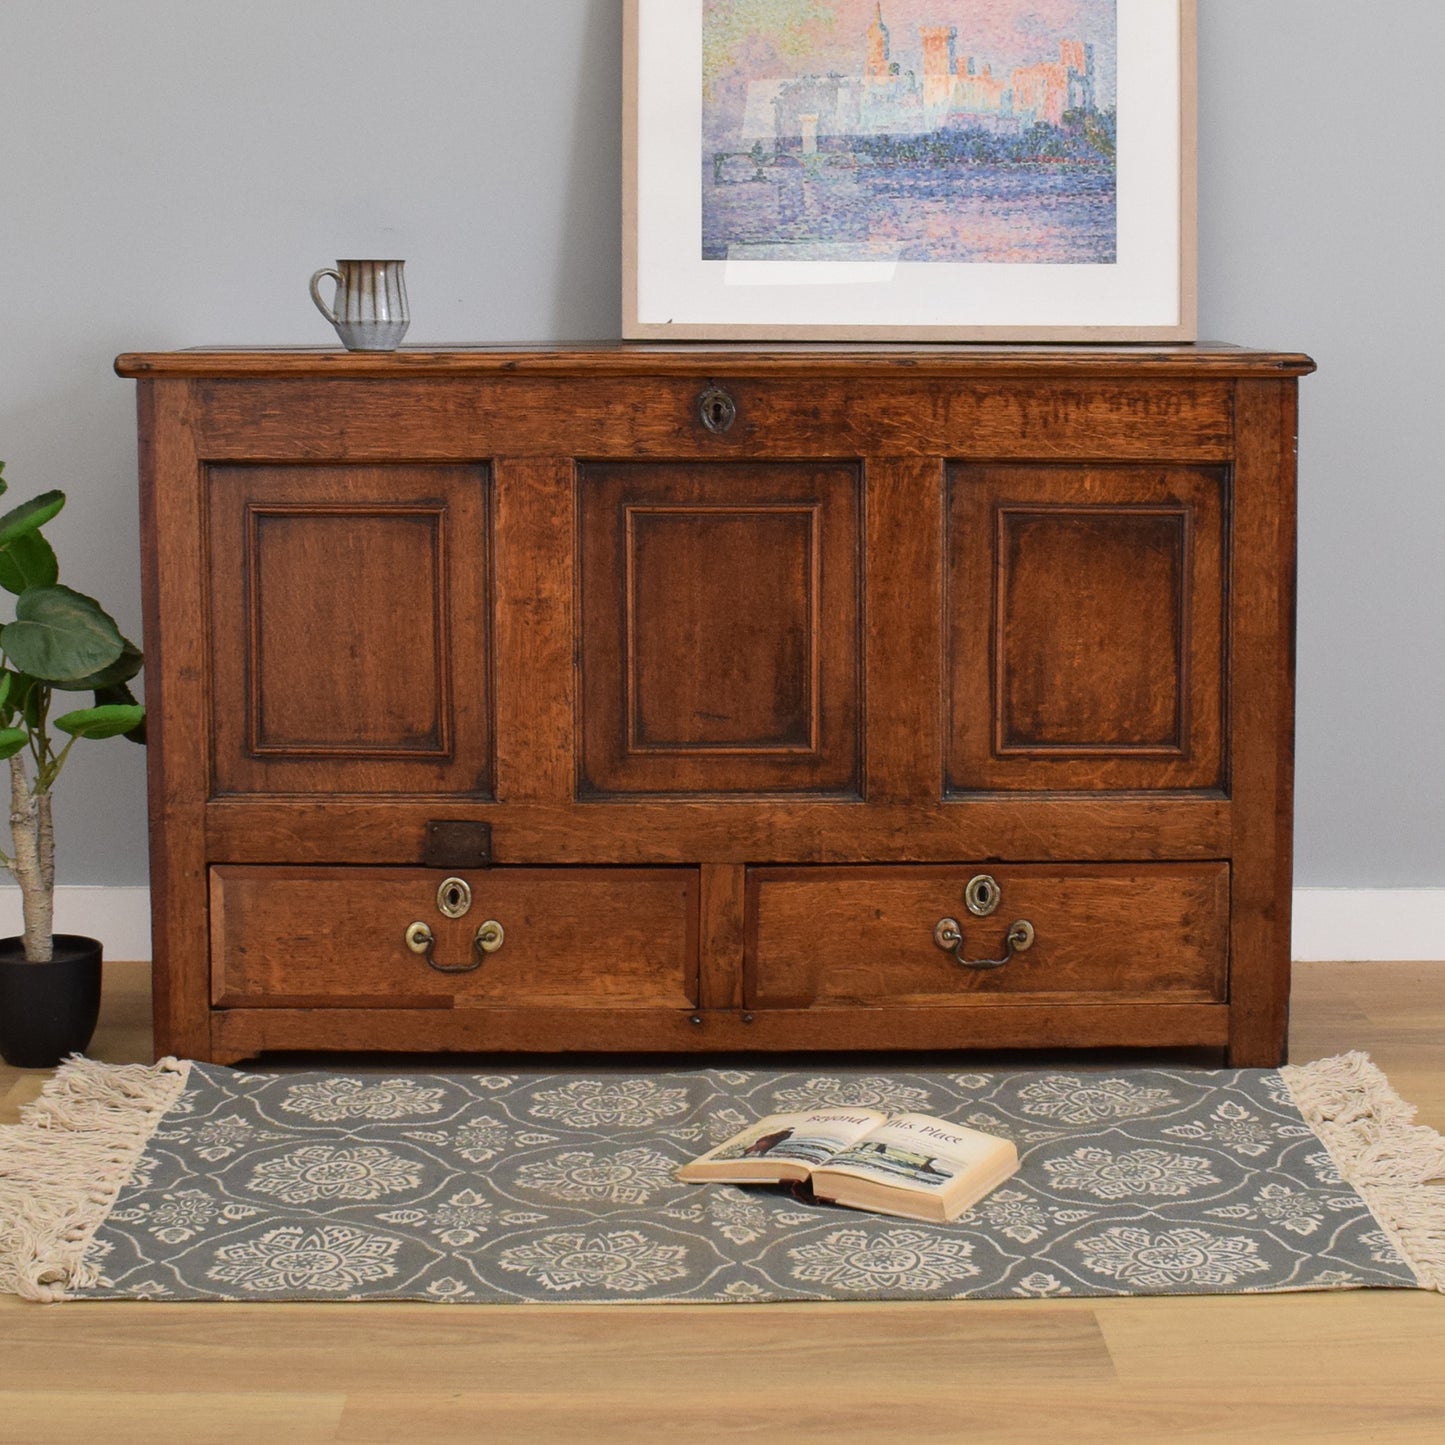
(59, 642)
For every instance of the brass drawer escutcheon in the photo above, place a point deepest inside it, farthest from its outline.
(717, 410)
(982, 895)
(454, 898)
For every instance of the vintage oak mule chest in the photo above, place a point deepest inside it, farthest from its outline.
(627, 697)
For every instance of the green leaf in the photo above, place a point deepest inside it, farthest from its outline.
(4, 485)
(121, 670)
(120, 693)
(29, 515)
(59, 634)
(11, 741)
(23, 695)
(28, 561)
(101, 722)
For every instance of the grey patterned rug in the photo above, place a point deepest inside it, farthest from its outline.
(513, 1187)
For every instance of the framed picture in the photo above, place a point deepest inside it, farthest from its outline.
(949, 170)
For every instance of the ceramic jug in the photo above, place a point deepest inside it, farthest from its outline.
(370, 311)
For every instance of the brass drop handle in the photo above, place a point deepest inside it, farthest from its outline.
(949, 937)
(489, 937)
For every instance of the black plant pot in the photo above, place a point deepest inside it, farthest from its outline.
(48, 1010)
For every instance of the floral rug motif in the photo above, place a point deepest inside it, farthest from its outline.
(513, 1186)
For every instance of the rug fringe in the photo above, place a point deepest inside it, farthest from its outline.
(62, 1166)
(1381, 1152)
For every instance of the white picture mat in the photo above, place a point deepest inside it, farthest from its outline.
(1144, 290)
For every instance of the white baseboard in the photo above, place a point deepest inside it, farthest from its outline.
(1369, 923)
(1329, 923)
(119, 917)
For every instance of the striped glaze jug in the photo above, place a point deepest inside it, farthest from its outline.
(369, 311)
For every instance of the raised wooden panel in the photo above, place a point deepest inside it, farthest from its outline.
(720, 628)
(752, 614)
(571, 938)
(319, 644)
(1110, 670)
(1085, 626)
(349, 617)
(1156, 933)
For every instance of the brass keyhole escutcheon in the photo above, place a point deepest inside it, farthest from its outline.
(717, 409)
(982, 895)
(454, 898)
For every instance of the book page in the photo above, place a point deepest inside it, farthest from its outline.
(914, 1151)
(810, 1137)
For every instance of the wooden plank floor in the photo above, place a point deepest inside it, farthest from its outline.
(1325, 1367)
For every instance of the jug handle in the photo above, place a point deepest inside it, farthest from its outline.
(321, 306)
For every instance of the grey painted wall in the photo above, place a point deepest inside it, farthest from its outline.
(171, 171)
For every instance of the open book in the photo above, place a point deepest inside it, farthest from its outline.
(907, 1164)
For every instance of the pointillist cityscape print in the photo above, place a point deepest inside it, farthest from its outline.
(909, 130)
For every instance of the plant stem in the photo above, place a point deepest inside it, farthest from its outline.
(34, 862)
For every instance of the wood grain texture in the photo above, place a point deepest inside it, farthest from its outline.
(536, 674)
(350, 611)
(903, 646)
(1231, 1370)
(1086, 614)
(720, 607)
(891, 607)
(1154, 933)
(685, 831)
(1262, 726)
(722, 914)
(173, 603)
(1014, 1023)
(624, 358)
(447, 419)
(336, 937)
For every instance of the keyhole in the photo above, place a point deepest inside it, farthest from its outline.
(717, 409)
(982, 895)
(454, 897)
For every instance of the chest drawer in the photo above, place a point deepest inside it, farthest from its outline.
(1142, 933)
(529, 937)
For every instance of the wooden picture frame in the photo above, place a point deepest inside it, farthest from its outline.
(927, 194)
